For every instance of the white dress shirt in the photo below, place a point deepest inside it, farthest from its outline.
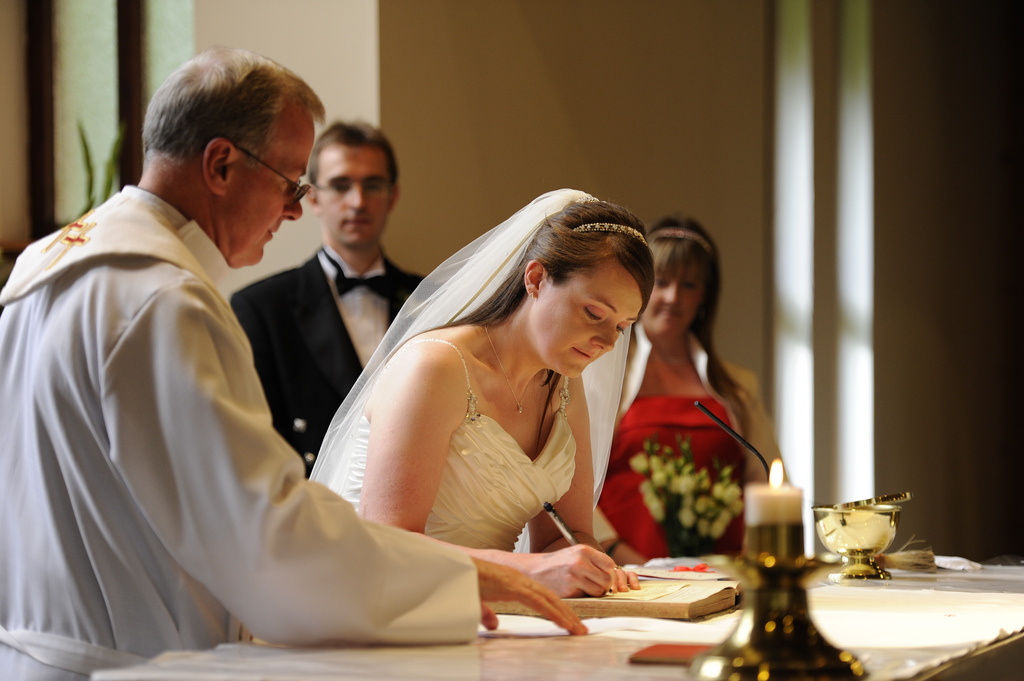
(365, 312)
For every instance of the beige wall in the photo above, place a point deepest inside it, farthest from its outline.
(333, 45)
(661, 110)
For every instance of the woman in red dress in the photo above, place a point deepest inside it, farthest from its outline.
(672, 365)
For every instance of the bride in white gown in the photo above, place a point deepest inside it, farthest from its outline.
(474, 410)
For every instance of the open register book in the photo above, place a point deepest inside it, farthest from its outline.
(669, 599)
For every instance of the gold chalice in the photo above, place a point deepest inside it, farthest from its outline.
(857, 534)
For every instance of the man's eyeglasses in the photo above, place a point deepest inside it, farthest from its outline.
(298, 190)
(372, 187)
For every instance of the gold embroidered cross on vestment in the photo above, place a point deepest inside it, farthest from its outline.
(71, 235)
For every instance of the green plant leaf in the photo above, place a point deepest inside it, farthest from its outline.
(113, 164)
(87, 160)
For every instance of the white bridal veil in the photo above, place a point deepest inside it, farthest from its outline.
(456, 287)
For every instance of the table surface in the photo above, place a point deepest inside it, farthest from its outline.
(950, 625)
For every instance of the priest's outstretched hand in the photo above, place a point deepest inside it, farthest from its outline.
(501, 583)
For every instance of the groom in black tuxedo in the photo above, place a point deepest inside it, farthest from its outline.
(313, 328)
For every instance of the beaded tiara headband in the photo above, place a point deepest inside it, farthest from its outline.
(683, 233)
(611, 227)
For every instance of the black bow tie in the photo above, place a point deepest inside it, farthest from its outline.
(387, 285)
(380, 284)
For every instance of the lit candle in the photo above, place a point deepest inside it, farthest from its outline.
(774, 503)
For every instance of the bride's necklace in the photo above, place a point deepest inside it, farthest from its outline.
(510, 389)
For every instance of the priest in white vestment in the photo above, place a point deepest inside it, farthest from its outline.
(146, 501)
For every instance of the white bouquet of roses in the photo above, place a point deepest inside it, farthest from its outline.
(694, 506)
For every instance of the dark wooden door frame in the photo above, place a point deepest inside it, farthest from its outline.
(40, 78)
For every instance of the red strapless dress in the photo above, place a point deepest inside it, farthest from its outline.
(667, 416)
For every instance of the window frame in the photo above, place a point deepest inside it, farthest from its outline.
(39, 64)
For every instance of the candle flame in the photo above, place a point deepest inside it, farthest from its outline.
(777, 474)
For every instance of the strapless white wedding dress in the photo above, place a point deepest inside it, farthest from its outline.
(489, 488)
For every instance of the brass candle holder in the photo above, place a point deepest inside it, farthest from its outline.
(775, 637)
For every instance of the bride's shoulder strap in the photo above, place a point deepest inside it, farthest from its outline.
(564, 394)
(471, 413)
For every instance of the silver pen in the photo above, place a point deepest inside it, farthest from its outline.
(560, 524)
(567, 533)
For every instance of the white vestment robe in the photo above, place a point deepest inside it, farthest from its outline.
(146, 501)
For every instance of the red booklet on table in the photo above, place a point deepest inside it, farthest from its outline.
(668, 653)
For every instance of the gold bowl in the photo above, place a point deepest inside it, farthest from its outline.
(857, 534)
